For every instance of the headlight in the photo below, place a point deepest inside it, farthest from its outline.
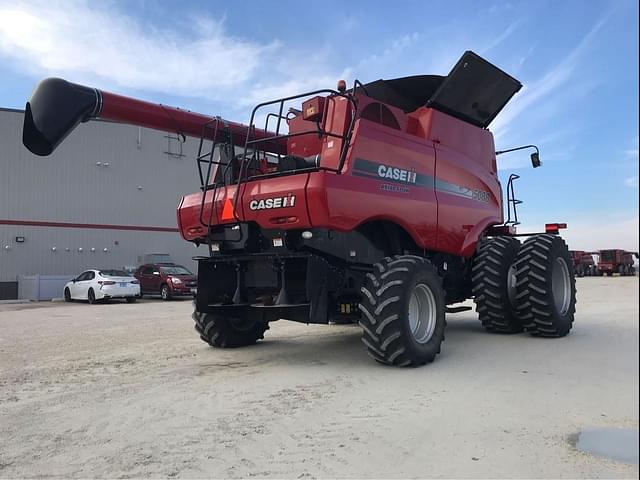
(176, 281)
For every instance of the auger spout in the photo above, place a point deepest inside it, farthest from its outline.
(57, 106)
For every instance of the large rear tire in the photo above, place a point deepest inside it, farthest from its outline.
(230, 331)
(494, 284)
(403, 311)
(546, 286)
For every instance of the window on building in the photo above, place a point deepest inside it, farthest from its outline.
(174, 145)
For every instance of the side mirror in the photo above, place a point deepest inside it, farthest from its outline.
(74, 280)
(535, 160)
(535, 156)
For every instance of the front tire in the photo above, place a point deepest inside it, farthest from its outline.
(546, 284)
(228, 331)
(165, 294)
(67, 296)
(403, 311)
(494, 285)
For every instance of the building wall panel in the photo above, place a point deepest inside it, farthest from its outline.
(103, 173)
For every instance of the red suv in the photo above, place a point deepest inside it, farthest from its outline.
(165, 279)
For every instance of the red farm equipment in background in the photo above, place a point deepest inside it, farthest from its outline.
(378, 204)
(616, 261)
(583, 263)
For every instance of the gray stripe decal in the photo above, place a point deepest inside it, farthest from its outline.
(452, 188)
(369, 169)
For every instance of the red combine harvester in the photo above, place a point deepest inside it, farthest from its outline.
(378, 204)
(583, 263)
(616, 261)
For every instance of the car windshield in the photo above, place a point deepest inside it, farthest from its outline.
(114, 273)
(175, 270)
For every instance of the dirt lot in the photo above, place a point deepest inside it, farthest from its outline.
(122, 390)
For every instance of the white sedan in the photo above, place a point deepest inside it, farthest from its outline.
(94, 285)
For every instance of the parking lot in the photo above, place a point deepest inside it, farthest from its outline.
(128, 390)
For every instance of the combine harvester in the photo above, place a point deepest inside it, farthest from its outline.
(583, 263)
(378, 204)
(616, 261)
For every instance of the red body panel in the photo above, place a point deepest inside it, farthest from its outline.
(454, 197)
(296, 216)
(580, 257)
(303, 145)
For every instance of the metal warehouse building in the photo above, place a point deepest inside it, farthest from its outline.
(104, 199)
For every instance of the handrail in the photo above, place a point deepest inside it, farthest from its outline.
(248, 141)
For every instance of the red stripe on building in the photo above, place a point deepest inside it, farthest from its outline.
(94, 226)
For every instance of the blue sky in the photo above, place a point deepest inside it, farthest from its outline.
(578, 61)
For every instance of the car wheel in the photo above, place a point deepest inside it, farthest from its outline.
(67, 295)
(164, 292)
(91, 296)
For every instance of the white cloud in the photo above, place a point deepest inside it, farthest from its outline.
(536, 95)
(632, 156)
(97, 44)
(500, 38)
(82, 41)
(632, 153)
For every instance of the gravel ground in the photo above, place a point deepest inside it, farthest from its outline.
(121, 390)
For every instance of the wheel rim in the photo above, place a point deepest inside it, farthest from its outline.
(561, 286)
(422, 313)
(241, 324)
(164, 293)
(512, 291)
